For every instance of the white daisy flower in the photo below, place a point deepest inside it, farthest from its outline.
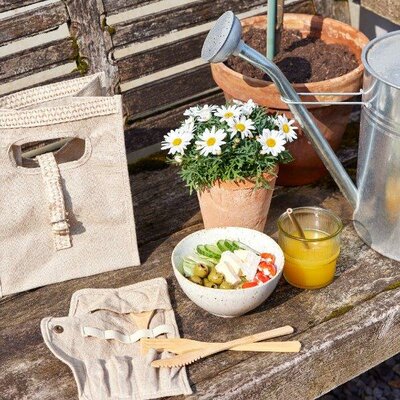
(242, 125)
(191, 112)
(204, 113)
(248, 107)
(211, 141)
(176, 141)
(228, 114)
(237, 102)
(272, 142)
(188, 126)
(178, 159)
(286, 128)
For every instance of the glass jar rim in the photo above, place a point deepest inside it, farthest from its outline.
(319, 209)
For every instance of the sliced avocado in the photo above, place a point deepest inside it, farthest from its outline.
(221, 245)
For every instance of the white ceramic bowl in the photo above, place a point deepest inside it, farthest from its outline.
(231, 302)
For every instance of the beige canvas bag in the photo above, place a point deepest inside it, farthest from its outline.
(67, 214)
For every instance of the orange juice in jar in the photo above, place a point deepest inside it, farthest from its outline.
(310, 262)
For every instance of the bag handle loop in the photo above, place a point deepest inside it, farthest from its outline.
(54, 191)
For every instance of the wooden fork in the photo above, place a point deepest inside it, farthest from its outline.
(180, 346)
(213, 348)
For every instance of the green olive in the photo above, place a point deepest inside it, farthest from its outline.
(215, 277)
(196, 279)
(225, 285)
(201, 270)
(210, 284)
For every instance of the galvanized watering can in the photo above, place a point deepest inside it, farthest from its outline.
(376, 201)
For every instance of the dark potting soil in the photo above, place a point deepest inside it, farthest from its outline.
(302, 60)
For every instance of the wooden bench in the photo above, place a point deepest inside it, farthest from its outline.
(346, 328)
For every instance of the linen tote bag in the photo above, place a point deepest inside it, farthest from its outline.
(67, 214)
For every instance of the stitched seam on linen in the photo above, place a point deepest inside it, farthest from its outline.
(56, 115)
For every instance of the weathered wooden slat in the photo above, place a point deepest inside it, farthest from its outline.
(355, 319)
(155, 25)
(168, 55)
(159, 58)
(388, 9)
(117, 6)
(36, 59)
(333, 9)
(32, 22)
(6, 5)
(158, 24)
(160, 93)
(94, 42)
(71, 75)
(151, 130)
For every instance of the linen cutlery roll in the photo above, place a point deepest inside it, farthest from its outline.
(115, 368)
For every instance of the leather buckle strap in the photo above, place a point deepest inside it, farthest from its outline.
(55, 196)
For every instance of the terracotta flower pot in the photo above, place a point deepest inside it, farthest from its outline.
(236, 204)
(332, 120)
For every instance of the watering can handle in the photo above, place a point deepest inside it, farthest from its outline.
(328, 103)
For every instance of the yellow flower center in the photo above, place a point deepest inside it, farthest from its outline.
(211, 141)
(240, 127)
(177, 141)
(270, 142)
(285, 128)
(228, 114)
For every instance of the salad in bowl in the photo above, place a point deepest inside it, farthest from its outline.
(229, 264)
(227, 271)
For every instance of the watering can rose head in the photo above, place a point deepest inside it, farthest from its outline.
(227, 143)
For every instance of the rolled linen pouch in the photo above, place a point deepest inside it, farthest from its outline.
(99, 341)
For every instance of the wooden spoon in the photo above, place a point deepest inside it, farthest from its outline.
(142, 319)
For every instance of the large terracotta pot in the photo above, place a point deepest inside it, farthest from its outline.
(236, 204)
(332, 120)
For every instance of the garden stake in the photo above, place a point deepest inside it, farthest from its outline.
(271, 24)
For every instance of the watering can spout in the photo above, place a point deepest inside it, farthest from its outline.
(223, 40)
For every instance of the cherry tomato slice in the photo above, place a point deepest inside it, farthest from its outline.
(262, 278)
(264, 266)
(268, 257)
(249, 284)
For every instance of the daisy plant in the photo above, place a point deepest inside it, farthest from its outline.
(235, 141)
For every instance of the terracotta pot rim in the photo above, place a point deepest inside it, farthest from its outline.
(311, 86)
(246, 183)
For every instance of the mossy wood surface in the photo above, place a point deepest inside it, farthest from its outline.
(346, 328)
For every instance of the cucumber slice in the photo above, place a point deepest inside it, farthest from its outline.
(214, 251)
(229, 245)
(221, 245)
(188, 267)
(233, 245)
(198, 259)
(202, 250)
(238, 245)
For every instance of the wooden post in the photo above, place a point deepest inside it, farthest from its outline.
(93, 41)
(279, 25)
